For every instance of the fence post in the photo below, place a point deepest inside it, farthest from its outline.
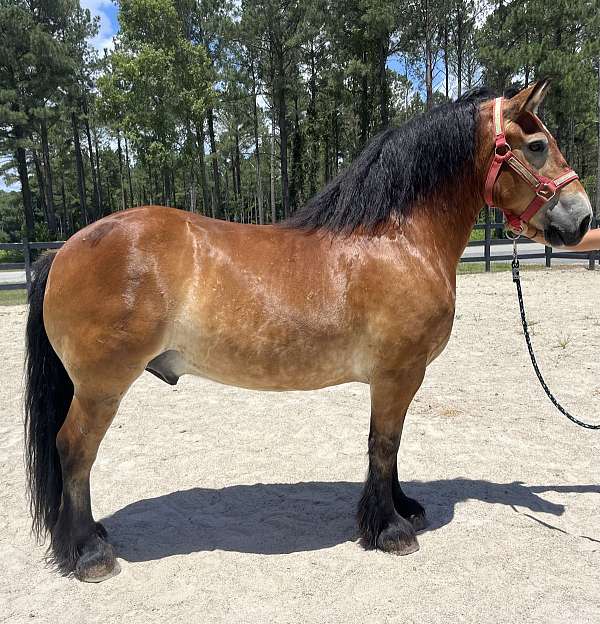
(27, 258)
(592, 255)
(548, 252)
(487, 250)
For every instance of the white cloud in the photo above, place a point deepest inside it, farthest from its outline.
(103, 9)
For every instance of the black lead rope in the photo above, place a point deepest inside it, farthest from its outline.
(559, 407)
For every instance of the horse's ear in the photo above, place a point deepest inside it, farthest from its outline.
(528, 99)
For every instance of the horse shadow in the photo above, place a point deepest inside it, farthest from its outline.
(281, 518)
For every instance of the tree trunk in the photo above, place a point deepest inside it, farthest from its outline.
(273, 206)
(203, 180)
(128, 173)
(80, 171)
(383, 85)
(335, 132)
(192, 191)
(25, 190)
(327, 159)
(100, 192)
(238, 174)
(96, 195)
(313, 165)
(259, 197)
(459, 41)
(283, 133)
(364, 110)
(109, 195)
(66, 227)
(446, 62)
(427, 27)
(120, 154)
(297, 181)
(166, 190)
(218, 204)
(41, 185)
(428, 73)
(49, 185)
(173, 185)
(236, 189)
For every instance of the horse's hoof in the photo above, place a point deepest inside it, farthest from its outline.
(97, 562)
(398, 538)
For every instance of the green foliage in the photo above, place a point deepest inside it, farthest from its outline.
(11, 217)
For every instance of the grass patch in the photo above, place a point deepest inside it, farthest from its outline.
(13, 297)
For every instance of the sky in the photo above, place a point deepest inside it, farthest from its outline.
(107, 11)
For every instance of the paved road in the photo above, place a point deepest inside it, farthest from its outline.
(12, 277)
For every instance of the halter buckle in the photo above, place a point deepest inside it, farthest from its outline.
(546, 192)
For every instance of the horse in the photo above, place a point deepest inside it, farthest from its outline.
(358, 285)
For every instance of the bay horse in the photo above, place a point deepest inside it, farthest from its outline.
(358, 285)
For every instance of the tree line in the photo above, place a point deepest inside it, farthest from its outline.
(242, 110)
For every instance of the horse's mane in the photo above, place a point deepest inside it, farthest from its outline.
(397, 168)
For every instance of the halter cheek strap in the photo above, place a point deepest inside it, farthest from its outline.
(545, 188)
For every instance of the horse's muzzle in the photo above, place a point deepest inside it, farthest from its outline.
(568, 221)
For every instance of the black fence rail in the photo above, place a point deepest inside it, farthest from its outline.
(26, 248)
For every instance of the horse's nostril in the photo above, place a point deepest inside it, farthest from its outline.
(585, 224)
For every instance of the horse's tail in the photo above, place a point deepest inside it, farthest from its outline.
(48, 395)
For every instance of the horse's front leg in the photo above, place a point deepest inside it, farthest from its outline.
(381, 506)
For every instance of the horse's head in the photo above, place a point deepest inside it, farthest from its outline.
(565, 217)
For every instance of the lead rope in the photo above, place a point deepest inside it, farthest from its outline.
(517, 281)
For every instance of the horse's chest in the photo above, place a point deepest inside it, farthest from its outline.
(420, 322)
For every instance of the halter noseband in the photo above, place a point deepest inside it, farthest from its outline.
(545, 188)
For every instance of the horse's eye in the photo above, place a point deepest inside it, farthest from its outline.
(537, 146)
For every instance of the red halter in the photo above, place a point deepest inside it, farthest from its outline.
(545, 188)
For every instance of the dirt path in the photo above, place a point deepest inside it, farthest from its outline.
(235, 506)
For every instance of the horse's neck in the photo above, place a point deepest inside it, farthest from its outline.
(443, 224)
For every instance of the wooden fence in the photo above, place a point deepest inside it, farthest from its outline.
(25, 248)
(487, 258)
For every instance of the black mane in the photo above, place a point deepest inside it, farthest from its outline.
(398, 167)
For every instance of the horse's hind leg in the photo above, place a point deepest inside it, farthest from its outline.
(381, 525)
(78, 543)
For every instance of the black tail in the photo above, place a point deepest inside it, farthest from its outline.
(48, 395)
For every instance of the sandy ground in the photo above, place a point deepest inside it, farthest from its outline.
(235, 506)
